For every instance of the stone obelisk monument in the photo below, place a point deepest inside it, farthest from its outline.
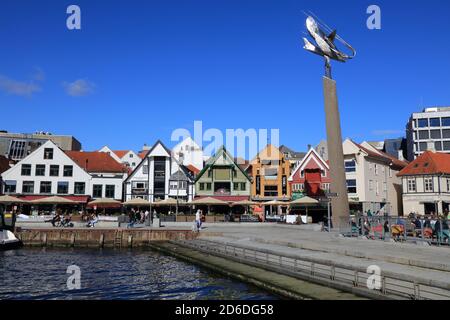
(338, 185)
(325, 46)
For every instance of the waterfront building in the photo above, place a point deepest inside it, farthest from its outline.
(222, 178)
(292, 156)
(428, 130)
(372, 183)
(189, 154)
(426, 184)
(270, 171)
(16, 146)
(127, 157)
(4, 165)
(322, 149)
(159, 176)
(311, 177)
(76, 175)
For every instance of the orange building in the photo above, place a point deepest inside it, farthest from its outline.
(270, 172)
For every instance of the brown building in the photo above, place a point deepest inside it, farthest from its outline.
(270, 171)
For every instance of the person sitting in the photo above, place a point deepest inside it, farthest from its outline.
(93, 220)
(56, 218)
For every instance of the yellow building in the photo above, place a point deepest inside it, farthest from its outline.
(270, 171)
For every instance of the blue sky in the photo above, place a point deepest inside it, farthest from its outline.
(137, 70)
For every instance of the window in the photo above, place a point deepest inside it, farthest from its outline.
(448, 185)
(109, 191)
(40, 170)
(438, 145)
(243, 186)
(133, 164)
(411, 185)
(435, 134)
(26, 169)
(377, 188)
(428, 184)
(351, 186)
(370, 185)
(435, 122)
(446, 122)
(208, 186)
(28, 187)
(446, 145)
(145, 169)
(10, 186)
(422, 146)
(422, 123)
(173, 185)
(424, 134)
(63, 187)
(79, 188)
(68, 171)
(202, 186)
(271, 191)
(236, 185)
(376, 169)
(446, 133)
(46, 187)
(54, 170)
(350, 166)
(48, 153)
(326, 187)
(385, 187)
(97, 191)
(131, 155)
(390, 173)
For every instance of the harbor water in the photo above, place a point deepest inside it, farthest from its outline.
(42, 273)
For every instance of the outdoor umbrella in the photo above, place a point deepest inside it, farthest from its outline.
(9, 199)
(169, 202)
(306, 202)
(53, 200)
(245, 203)
(276, 203)
(105, 203)
(208, 201)
(136, 202)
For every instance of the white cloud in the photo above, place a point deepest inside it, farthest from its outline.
(387, 132)
(78, 88)
(18, 88)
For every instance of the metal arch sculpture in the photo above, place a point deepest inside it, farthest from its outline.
(325, 43)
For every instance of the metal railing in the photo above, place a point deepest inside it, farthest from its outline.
(402, 229)
(327, 272)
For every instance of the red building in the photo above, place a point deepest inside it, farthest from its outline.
(311, 176)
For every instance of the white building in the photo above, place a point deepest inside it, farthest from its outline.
(372, 183)
(428, 130)
(189, 153)
(157, 177)
(127, 157)
(51, 171)
(426, 184)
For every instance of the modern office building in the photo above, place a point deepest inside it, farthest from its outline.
(17, 146)
(428, 130)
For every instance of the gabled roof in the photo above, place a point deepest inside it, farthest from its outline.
(96, 161)
(162, 144)
(142, 154)
(398, 164)
(211, 161)
(121, 153)
(294, 154)
(428, 163)
(304, 161)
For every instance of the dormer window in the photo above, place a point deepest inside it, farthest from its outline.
(48, 153)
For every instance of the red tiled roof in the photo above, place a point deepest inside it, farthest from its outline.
(193, 169)
(143, 153)
(96, 161)
(121, 153)
(428, 163)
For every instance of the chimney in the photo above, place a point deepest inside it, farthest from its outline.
(309, 147)
(400, 155)
(430, 146)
